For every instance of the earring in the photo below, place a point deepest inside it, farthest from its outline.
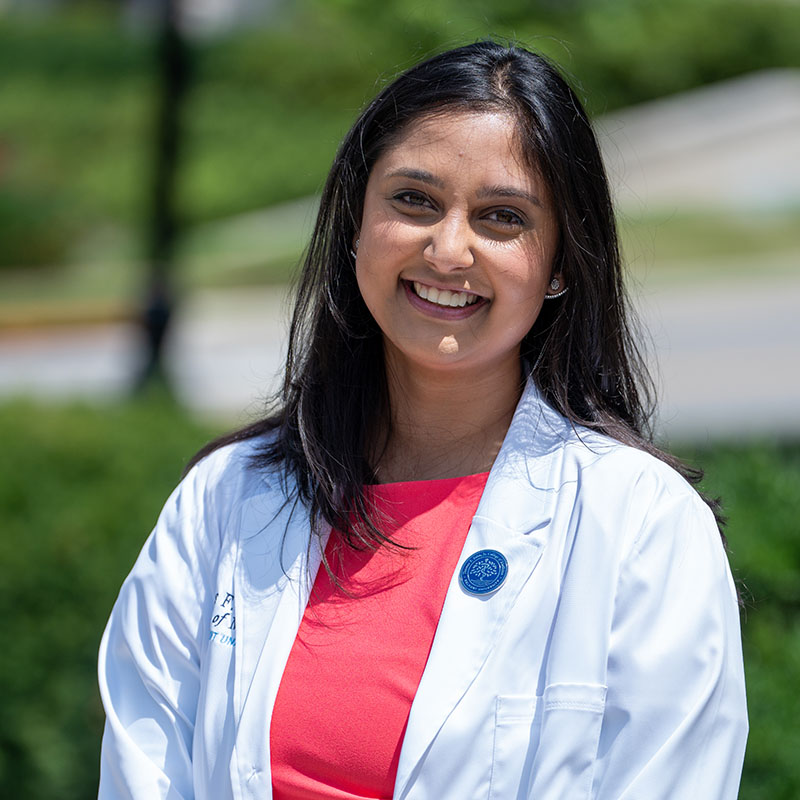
(354, 248)
(555, 285)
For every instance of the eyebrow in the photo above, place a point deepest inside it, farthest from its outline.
(418, 175)
(509, 191)
(423, 176)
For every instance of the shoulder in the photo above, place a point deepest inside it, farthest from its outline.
(599, 457)
(619, 490)
(231, 473)
(546, 439)
(646, 505)
(607, 497)
(205, 505)
(578, 452)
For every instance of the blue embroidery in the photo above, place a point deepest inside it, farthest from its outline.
(223, 622)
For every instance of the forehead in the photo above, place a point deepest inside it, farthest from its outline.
(488, 141)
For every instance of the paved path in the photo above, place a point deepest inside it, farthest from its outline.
(728, 356)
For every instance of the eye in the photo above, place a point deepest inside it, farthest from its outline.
(506, 218)
(412, 200)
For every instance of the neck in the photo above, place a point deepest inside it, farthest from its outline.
(445, 425)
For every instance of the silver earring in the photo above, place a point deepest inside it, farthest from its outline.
(555, 285)
(353, 251)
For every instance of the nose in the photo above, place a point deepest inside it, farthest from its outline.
(451, 244)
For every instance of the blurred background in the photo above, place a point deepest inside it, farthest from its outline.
(159, 167)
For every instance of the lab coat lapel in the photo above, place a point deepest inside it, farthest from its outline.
(275, 571)
(513, 517)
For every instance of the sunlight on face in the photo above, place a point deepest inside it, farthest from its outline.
(449, 345)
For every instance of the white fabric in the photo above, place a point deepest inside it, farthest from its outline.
(607, 666)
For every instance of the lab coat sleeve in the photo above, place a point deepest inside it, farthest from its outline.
(149, 661)
(675, 721)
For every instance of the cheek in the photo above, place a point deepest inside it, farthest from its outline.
(522, 317)
(373, 284)
(525, 275)
(524, 288)
(364, 281)
(384, 249)
(389, 240)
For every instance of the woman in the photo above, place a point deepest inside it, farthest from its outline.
(451, 564)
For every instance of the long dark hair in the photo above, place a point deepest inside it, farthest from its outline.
(580, 352)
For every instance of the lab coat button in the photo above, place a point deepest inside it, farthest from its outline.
(483, 572)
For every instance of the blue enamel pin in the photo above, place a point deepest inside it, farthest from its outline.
(483, 572)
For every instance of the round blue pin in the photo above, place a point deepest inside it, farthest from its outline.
(483, 572)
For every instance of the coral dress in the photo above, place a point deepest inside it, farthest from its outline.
(346, 693)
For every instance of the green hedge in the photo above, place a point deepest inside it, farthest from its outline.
(79, 490)
(81, 487)
(759, 487)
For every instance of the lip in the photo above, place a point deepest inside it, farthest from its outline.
(437, 311)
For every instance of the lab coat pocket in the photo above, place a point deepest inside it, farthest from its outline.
(572, 716)
(516, 737)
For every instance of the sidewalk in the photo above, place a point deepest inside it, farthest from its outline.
(728, 356)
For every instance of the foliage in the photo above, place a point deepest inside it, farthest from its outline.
(271, 102)
(758, 485)
(73, 141)
(35, 226)
(81, 487)
(79, 490)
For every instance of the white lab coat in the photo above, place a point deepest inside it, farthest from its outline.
(607, 666)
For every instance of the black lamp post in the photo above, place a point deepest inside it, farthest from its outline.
(173, 79)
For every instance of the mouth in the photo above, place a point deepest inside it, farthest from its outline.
(446, 304)
(446, 298)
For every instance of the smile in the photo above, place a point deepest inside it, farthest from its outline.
(444, 297)
(443, 304)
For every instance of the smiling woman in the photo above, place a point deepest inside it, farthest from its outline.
(450, 562)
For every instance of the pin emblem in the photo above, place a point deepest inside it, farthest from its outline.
(483, 572)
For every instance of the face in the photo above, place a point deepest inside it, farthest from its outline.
(456, 245)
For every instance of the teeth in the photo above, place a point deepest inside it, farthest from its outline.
(444, 297)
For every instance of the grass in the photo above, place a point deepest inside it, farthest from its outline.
(712, 245)
(80, 488)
